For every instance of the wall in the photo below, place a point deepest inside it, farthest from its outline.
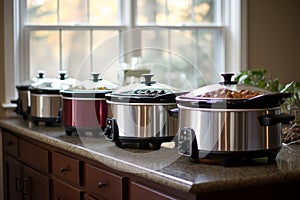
(274, 37)
(2, 96)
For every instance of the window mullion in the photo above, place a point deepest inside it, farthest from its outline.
(57, 12)
(131, 40)
(60, 50)
(91, 51)
(88, 11)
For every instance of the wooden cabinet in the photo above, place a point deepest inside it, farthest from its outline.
(22, 179)
(35, 171)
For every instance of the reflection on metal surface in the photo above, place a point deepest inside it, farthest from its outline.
(45, 105)
(231, 131)
(144, 121)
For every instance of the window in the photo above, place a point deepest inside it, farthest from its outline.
(185, 44)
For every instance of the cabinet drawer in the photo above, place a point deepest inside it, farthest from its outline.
(10, 144)
(62, 191)
(34, 156)
(104, 183)
(66, 167)
(139, 191)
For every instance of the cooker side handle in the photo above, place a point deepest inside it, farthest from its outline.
(111, 132)
(269, 120)
(174, 112)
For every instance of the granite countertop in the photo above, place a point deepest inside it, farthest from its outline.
(165, 165)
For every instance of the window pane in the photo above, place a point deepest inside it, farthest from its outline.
(175, 54)
(174, 12)
(44, 52)
(103, 12)
(73, 12)
(105, 45)
(41, 12)
(75, 49)
(103, 51)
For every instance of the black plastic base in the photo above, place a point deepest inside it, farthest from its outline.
(238, 158)
(47, 121)
(80, 131)
(143, 143)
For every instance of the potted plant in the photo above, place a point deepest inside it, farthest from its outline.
(260, 78)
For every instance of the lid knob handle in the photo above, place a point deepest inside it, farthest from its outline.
(95, 77)
(227, 79)
(41, 74)
(62, 75)
(148, 80)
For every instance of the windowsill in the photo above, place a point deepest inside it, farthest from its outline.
(8, 106)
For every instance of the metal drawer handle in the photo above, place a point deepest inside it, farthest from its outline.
(63, 169)
(101, 185)
(26, 184)
(19, 185)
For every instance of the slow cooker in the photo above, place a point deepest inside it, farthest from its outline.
(228, 121)
(84, 107)
(140, 114)
(23, 100)
(46, 101)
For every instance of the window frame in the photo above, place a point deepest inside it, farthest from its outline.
(234, 31)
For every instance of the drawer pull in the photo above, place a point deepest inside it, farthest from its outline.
(63, 169)
(101, 185)
(19, 184)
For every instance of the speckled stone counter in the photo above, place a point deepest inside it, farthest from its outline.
(165, 166)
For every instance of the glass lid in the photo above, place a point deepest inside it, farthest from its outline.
(148, 91)
(147, 87)
(39, 79)
(52, 85)
(94, 83)
(226, 90)
(230, 95)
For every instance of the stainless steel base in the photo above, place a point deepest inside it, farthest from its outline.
(45, 106)
(230, 130)
(144, 121)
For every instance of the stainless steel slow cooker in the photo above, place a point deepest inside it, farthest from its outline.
(46, 101)
(140, 114)
(23, 101)
(230, 121)
(84, 107)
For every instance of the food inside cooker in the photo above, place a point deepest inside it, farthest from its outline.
(226, 93)
(84, 88)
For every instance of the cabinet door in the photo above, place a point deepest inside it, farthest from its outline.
(36, 185)
(139, 191)
(12, 179)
